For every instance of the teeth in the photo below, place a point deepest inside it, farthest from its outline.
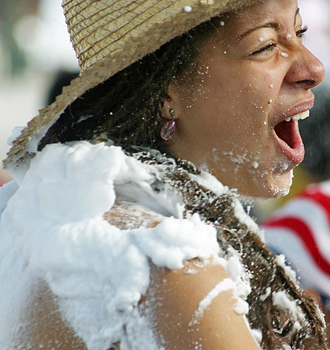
(299, 116)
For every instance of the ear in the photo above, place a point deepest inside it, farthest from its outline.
(171, 101)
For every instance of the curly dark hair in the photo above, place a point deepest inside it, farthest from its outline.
(127, 108)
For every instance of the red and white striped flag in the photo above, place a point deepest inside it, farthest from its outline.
(301, 231)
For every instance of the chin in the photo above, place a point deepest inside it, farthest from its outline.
(276, 186)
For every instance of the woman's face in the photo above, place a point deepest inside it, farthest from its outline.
(251, 76)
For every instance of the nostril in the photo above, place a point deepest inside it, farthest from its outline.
(309, 83)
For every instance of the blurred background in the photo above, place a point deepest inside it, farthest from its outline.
(35, 51)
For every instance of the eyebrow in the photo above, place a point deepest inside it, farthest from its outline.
(273, 25)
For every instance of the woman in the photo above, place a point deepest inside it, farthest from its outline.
(141, 246)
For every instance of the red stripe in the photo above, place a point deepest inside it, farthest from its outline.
(306, 236)
(320, 199)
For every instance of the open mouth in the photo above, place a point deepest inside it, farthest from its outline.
(289, 138)
(286, 130)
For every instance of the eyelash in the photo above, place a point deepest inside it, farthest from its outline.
(264, 49)
(300, 34)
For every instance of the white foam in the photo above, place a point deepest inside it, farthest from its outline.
(97, 271)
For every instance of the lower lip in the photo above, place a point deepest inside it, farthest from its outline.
(290, 142)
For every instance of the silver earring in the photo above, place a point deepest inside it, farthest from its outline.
(168, 129)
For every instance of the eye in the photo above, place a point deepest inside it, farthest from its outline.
(301, 33)
(266, 48)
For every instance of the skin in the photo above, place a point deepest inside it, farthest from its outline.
(170, 304)
(225, 121)
(174, 298)
(47, 329)
(251, 74)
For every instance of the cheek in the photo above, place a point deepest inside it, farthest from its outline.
(258, 98)
(260, 87)
(235, 89)
(233, 105)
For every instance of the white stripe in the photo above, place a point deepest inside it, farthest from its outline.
(288, 243)
(315, 218)
(323, 187)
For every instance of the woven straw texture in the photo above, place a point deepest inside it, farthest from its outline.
(108, 36)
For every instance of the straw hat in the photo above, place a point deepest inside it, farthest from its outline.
(108, 36)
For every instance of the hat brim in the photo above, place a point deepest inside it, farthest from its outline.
(170, 21)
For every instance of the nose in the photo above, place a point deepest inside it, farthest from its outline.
(306, 70)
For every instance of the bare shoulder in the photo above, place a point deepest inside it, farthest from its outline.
(193, 308)
(45, 327)
(190, 308)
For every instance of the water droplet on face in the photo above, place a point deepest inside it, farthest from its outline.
(188, 8)
(261, 39)
(255, 164)
(284, 54)
(271, 86)
(289, 36)
(270, 101)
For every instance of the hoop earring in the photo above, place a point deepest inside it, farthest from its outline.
(168, 130)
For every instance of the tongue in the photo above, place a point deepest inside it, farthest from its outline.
(285, 131)
(289, 140)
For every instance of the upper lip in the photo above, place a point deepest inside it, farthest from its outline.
(298, 108)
